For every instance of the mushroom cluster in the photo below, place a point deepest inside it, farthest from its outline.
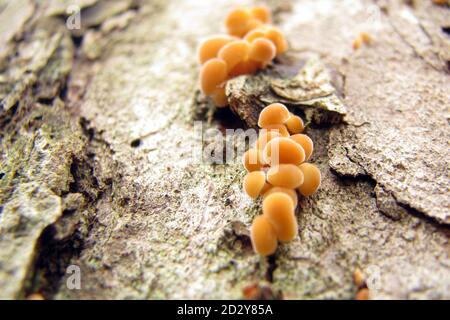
(278, 171)
(251, 44)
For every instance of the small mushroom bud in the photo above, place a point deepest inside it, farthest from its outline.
(254, 34)
(252, 24)
(261, 13)
(252, 160)
(212, 74)
(234, 52)
(286, 176)
(275, 113)
(290, 192)
(219, 97)
(264, 239)
(236, 22)
(264, 137)
(305, 142)
(278, 39)
(279, 211)
(210, 47)
(283, 150)
(311, 181)
(280, 128)
(295, 124)
(254, 182)
(262, 50)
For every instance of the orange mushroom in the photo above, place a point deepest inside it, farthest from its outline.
(236, 22)
(295, 124)
(279, 211)
(290, 192)
(234, 53)
(276, 113)
(285, 175)
(305, 142)
(263, 236)
(254, 182)
(262, 13)
(312, 179)
(262, 50)
(283, 150)
(212, 74)
(252, 160)
(219, 97)
(210, 47)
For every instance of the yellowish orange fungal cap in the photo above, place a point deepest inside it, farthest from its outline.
(263, 236)
(262, 13)
(252, 24)
(285, 175)
(295, 124)
(210, 47)
(262, 50)
(252, 160)
(279, 211)
(275, 113)
(234, 52)
(264, 137)
(283, 150)
(305, 142)
(312, 179)
(236, 21)
(254, 182)
(365, 37)
(280, 128)
(212, 74)
(254, 34)
(219, 97)
(278, 39)
(290, 192)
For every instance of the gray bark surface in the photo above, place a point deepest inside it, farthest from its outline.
(97, 135)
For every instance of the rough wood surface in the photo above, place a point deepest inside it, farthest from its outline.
(97, 136)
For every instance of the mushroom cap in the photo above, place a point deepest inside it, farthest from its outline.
(254, 182)
(236, 21)
(264, 239)
(276, 113)
(277, 37)
(254, 34)
(279, 211)
(264, 137)
(262, 50)
(285, 175)
(262, 13)
(305, 142)
(252, 160)
(212, 74)
(234, 52)
(219, 97)
(295, 124)
(209, 48)
(283, 150)
(280, 128)
(312, 179)
(290, 192)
